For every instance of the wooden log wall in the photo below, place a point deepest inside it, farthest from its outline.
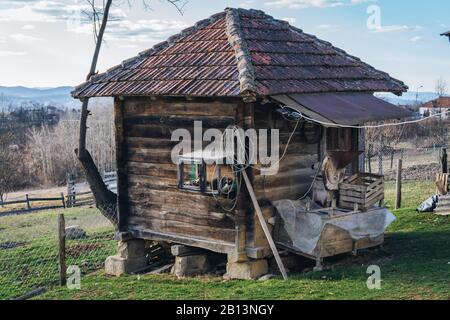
(297, 168)
(153, 200)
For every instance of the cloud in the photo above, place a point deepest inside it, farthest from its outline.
(13, 53)
(24, 38)
(139, 31)
(326, 26)
(246, 4)
(397, 28)
(301, 4)
(416, 39)
(72, 13)
(28, 27)
(45, 10)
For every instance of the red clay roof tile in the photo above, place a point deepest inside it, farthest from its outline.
(239, 50)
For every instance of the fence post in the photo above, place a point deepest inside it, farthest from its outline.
(62, 249)
(444, 159)
(63, 200)
(70, 189)
(28, 202)
(398, 199)
(380, 156)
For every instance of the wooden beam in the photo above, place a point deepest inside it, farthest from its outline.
(62, 249)
(204, 243)
(398, 199)
(264, 224)
(120, 161)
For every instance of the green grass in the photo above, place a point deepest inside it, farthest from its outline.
(34, 262)
(415, 264)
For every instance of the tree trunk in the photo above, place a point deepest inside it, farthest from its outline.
(106, 201)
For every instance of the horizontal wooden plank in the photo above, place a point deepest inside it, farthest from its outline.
(152, 169)
(176, 227)
(138, 231)
(144, 155)
(149, 143)
(295, 162)
(173, 121)
(285, 178)
(161, 131)
(195, 200)
(286, 192)
(180, 108)
(185, 215)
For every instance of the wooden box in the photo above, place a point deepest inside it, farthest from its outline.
(362, 190)
(442, 183)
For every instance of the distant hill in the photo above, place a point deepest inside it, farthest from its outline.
(408, 98)
(57, 97)
(17, 96)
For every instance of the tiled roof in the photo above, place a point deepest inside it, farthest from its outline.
(240, 53)
(442, 102)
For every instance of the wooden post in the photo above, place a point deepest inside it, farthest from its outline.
(28, 202)
(380, 155)
(264, 224)
(398, 202)
(63, 200)
(62, 249)
(70, 189)
(444, 160)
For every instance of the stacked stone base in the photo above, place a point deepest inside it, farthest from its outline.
(130, 259)
(252, 269)
(189, 261)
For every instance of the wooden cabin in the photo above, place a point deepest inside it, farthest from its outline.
(238, 67)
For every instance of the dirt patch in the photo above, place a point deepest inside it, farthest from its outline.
(11, 245)
(421, 172)
(76, 251)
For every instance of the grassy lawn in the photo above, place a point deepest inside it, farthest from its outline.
(29, 248)
(415, 264)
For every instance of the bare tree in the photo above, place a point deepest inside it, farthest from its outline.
(49, 155)
(105, 199)
(7, 169)
(441, 87)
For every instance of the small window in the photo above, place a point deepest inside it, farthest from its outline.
(206, 174)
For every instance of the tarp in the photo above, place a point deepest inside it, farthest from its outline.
(343, 108)
(304, 228)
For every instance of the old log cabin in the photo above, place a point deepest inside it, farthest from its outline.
(243, 68)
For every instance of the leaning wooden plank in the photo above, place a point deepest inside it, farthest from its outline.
(264, 224)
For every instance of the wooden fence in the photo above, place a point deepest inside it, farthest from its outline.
(80, 194)
(29, 207)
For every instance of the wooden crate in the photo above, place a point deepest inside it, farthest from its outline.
(363, 189)
(442, 183)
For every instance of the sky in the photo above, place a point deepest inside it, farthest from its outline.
(48, 43)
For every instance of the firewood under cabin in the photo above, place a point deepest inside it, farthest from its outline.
(246, 69)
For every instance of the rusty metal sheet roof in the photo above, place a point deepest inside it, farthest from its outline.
(343, 108)
(235, 51)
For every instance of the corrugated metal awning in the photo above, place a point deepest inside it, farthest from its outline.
(343, 108)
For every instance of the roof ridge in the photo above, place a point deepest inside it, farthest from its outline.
(149, 52)
(243, 58)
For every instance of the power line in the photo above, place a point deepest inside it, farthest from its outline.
(329, 124)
